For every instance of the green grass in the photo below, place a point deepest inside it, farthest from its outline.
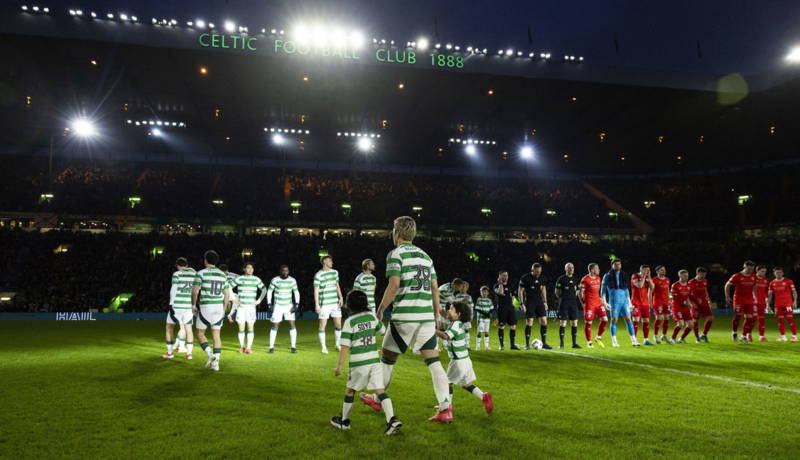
(101, 389)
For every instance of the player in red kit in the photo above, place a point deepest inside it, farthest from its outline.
(593, 305)
(762, 289)
(782, 295)
(744, 299)
(641, 299)
(661, 303)
(702, 304)
(681, 307)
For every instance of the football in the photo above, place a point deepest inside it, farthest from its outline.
(536, 344)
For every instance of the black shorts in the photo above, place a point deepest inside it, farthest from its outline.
(568, 312)
(507, 316)
(535, 311)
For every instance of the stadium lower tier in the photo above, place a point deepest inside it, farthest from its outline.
(79, 271)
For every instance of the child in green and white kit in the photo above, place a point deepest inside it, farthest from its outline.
(358, 337)
(459, 371)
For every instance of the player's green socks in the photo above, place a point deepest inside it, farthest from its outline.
(206, 348)
(217, 352)
(474, 390)
(386, 405)
(347, 406)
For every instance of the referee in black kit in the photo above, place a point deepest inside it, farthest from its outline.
(505, 310)
(533, 299)
(566, 292)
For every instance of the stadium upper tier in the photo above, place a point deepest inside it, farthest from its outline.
(249, 196)
(202, 105)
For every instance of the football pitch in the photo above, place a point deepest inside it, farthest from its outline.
(101, 390)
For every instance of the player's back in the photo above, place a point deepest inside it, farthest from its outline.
(212, 282)
(183, 279)
(413, 302)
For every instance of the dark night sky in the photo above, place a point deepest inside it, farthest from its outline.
(735, 35)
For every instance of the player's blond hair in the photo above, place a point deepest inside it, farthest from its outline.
(365, 263)
(405, 227)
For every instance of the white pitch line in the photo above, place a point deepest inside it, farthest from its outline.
(678, 371)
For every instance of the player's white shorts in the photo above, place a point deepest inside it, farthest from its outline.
(331, 311)
(179, 316)
(369, 376)
(459, 371)
(245, 314)
(283, 313)
(483, 325)
(417, 336)
(210, 317)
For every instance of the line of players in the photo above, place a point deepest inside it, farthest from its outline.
(644, 296)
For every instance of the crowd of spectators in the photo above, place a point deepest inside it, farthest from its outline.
(98, 267)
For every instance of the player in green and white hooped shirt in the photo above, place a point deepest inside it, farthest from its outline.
(366, 282)
(459, 371)
(210, 294)
(247, 287)
(328, 301)
(414, 291)
(358, 337)
(463, 296)
(180, 309)
(483, 312)
(447, 295)
(284, 300)
(233, 302)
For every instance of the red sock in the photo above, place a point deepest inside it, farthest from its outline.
(761, 326)
(646, 329)
(587, 329)
(696, 330)
(635, 328)
(792, 324)
(747, 328)
(664, 326)
(781, 326)
(675, 332)
(707, 327)
(686, 332)
(601, 328)
(735, 322)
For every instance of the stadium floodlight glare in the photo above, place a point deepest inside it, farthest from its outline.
(230, 26)
(277, 139)
(301, 34)
(84, 128)
(110, 16)
(46, 9)
(123, 16)
(422, 43)
(156, 132)
(364, 144)
(526, 152)
(438, 45)
(470, 149)
(134, 18)
(794, 55)
(211, 25)
(448, 46)
(93, 14)
(509, 52)
(24, 7)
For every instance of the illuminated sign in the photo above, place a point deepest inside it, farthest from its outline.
(240, 42)
(381, 55)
